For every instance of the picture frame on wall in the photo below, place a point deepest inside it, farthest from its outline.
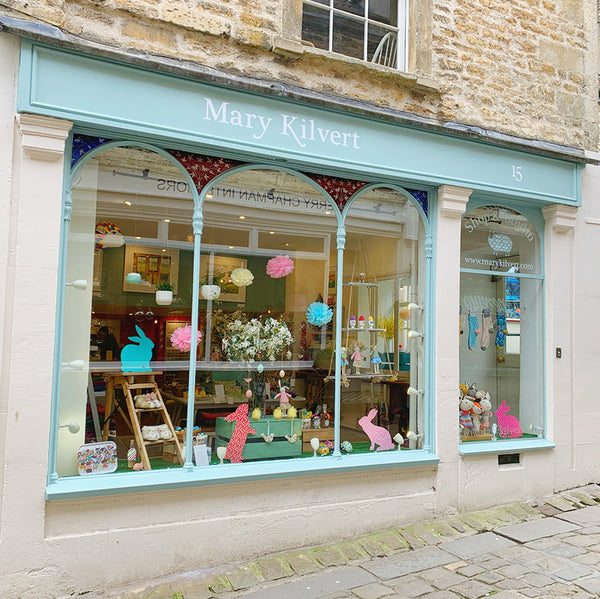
(153, 265)
(221, 268)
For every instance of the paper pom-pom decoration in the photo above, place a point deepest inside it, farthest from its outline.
(280, 266)
(241, 277)
(319, 314)
(181, 338)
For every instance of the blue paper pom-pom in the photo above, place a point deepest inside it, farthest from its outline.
(319, 314)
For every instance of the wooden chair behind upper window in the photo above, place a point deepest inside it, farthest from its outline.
(385, 53)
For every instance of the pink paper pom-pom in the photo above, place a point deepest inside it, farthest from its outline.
(280, 266)
(181, 338)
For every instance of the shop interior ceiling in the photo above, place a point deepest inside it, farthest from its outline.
(145, 165)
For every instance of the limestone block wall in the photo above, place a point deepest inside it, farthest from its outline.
(523, 67)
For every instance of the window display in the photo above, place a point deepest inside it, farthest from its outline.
(256, 361)
(500, 327)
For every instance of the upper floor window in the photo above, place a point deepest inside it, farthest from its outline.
(370, 30)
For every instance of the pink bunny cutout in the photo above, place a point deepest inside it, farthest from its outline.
(240, 432)
(377, 434)
(509, 425)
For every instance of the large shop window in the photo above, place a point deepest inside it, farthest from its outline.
(372, 30)
(501, 348)
(263, 256)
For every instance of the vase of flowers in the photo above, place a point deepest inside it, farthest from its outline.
(256, 340)
(164, 294)
(210, 288)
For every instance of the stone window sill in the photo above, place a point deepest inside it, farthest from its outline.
(295, 49)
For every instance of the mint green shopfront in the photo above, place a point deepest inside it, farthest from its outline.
(344, 273)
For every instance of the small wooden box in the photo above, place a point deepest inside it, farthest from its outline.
(170, 454)
(323, 434)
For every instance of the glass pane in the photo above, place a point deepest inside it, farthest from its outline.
(236, 238)
(119, 240)
(382, 46)
(286, 243)
(384, 11)
(501, 358)
(348, 36)
(263, 356)
(499, 240)
(355, 7)
(382, 338)
(315, 26)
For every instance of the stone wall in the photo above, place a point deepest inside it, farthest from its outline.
(523, 67)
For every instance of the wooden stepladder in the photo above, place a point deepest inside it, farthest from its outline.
(138, 383)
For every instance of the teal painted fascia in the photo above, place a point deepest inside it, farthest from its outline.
(180, 478)
(467, 448)
(112, 96)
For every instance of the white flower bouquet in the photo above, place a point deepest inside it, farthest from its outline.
(256, 340)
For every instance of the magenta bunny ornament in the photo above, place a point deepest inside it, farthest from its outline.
(509, 426)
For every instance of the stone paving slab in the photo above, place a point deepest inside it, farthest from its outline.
(315, 587)
(587, 516)
(478, 545)
(536, 529)
(407, 563)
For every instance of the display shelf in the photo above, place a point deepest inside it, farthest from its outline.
(362, 330)
(359, 284)
(367, 375)
(173, 365)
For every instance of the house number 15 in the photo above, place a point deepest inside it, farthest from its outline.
(517, 173)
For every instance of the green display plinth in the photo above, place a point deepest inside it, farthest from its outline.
(256, 447)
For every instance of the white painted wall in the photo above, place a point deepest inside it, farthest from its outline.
(62, 547)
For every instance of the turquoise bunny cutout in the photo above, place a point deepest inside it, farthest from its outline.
(136, 358)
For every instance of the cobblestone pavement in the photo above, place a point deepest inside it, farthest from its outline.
(546, 549)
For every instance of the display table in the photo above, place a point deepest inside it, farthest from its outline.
(286, 443)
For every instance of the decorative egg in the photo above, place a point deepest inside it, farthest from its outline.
(323, 449)
(346, 447)
(281, 373)
(249, 394)
(260, 368)
(329, 444)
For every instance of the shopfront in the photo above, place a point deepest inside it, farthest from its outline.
(257, 290)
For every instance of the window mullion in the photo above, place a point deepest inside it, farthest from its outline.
(366, 32)
(331, 25)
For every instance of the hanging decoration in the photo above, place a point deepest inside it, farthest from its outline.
(108, 235)
(241, 277)
(181, 338)
(319, 314)
(280, 266)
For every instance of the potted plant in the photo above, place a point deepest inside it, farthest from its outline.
(164, 293)
(211, 291)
